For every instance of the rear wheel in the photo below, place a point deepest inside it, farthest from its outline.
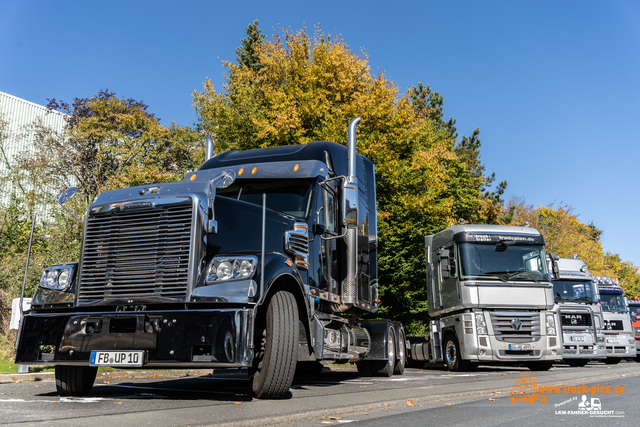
(452, 356)
(75, 380)
(384, 368)
(612, 360)
(274, 364)
(401, 354)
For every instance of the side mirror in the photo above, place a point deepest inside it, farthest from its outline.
(65, 195)
(225, 179)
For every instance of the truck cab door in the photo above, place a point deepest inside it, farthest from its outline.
(327, 226)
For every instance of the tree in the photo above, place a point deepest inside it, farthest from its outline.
(565, 235)
(246, 54)
(308, 88)
(626, 273)
(108, 143)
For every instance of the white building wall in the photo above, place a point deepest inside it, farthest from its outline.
(21, 114)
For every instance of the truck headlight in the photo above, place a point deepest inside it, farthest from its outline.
(551, 324)
(481, 326)
(231, 268)
(57, 277)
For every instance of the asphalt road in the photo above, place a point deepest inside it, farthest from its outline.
(480, 397)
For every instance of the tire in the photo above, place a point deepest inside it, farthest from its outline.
(308, 369)
(274, 363)
(75, 380)
(385, 368)
(539, 366)
(452, 355)
(577, 363)
(612, 360)
(401, 354)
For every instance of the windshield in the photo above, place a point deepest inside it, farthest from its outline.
(569, 290)
(503, 262)
(289, 196)
(634, 311)
(612, 302)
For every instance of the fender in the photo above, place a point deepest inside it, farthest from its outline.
(379, 331)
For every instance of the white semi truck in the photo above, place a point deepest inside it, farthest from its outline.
(616, 330)
(578, 306)
(490, 299)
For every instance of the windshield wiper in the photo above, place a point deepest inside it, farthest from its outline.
(496, 274)
(517, 274)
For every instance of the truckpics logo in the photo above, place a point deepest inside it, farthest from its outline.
(526, 389)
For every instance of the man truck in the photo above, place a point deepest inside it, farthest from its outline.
(634, 314)
(577, 304)
(262, 259)
(490, 299)
(616, 329)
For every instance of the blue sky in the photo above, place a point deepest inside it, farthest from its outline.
(553, 85)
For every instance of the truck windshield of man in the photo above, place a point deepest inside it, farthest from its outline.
(504, 261)
(612, 302)
(573, 291)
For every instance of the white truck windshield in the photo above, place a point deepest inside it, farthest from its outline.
(574, 291)
(612, 302)
(502, 262)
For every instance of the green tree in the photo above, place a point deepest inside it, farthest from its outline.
(246, 54)
(110, 143)
(308, 88)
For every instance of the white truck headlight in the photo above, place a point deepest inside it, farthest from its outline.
(551, 324)
(231, 268)
(57, 277)
(481, 326)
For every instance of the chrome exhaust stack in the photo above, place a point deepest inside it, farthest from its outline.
(350, 206)
(209, 152)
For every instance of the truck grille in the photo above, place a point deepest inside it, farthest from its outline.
(297, 244)
(142, 253)
(575, 319)
(516, 326)
(613, 325)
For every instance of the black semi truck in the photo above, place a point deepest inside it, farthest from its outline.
(263, 259)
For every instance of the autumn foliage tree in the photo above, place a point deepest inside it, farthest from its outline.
(307, 88)
(566, 235)
(108, 143)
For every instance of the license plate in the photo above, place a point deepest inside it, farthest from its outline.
(117, 358)
(519, 346)
(577, 338)
(612, 341)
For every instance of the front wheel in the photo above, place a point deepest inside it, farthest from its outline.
(75, 380)
(274, 364)
(612, 360)
(452, 356)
